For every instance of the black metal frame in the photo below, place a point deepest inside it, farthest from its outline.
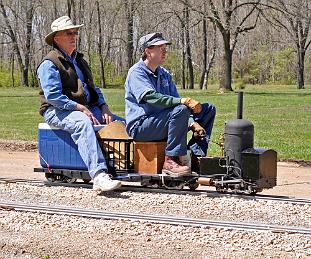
(118, 160)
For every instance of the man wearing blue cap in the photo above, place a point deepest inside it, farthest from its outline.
(155, 111)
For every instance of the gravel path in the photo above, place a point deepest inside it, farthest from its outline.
(18, 145)
(32, 235)
(200, 206)
(35, 235)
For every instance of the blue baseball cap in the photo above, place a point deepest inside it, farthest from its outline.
(152, 39)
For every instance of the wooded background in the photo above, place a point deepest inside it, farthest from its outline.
(225, 42)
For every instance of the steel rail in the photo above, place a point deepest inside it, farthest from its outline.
(132, 188)
(159, 219)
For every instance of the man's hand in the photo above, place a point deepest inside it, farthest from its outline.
(198, 130)
(192, 104)
(107, 115)
(88, 113)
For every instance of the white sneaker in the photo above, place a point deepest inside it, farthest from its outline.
(103, 183)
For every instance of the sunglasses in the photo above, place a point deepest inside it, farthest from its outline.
(71, 33)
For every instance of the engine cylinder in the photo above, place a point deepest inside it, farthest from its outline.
(239, 135)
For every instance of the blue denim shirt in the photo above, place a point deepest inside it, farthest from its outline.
(141, 80)
(51, 84)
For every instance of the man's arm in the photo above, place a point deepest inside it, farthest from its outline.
(160, 100)
(106, 113)
(101, 98)
(51, 84)
(165, 101)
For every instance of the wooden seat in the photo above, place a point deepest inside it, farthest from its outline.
(149, 157)
(115, 129)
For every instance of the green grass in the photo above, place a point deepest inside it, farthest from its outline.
(281, 115)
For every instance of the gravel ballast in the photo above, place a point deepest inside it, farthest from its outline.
(39, 235)
(194, 206)
(34, 235)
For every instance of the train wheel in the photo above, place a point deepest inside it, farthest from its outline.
(172, 184)
(254, 191)
(193, 186)
(66, 179)
(220, 189)
(51, 177)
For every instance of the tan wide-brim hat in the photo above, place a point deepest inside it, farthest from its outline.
(60, 24)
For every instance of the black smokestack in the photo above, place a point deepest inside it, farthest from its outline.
(240, 106)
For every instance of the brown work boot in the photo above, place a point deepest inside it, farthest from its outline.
(173, 168)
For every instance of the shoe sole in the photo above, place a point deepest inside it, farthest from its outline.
(98, 189)
(174, 175)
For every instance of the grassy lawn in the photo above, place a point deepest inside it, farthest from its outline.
(281, 115)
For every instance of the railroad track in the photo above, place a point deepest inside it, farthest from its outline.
(137, 188)
(172, 220)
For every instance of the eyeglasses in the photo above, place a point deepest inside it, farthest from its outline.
(163, 48)
(71, 33)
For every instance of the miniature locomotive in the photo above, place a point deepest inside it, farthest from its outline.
(241, 169)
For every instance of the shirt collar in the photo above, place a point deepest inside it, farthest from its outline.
(149, 71)
(72, 57)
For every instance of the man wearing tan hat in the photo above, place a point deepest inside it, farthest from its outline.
(71, 101)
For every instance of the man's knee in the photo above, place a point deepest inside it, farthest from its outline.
(84, 123)
(213, 110)
(181, 111)
(209, 109)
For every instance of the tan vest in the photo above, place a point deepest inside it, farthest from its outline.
(72, 86)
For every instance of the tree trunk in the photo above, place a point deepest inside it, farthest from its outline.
(188, 49)
(80, 21)
(204, 65)
(226, 76)
(12, 69)
(129, 10)
(100, 48)
(183, 62)
(29, 16)
(301, 68)
(1, 57)
(55, 13)
(69, 8)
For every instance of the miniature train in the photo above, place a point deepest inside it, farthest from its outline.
(241, 168)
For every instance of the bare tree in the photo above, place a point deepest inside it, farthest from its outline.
(100, 48)
(23, 61)
(129, 13)
(183, 16)
(71, 10)
(111, 33)
(208, 61)
(186, 27)
(294, 18)
(232, 18)
(55, 12)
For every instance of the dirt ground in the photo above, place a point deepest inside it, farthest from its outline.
(293, 179)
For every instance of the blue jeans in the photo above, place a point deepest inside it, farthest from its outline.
(82, 132)
(206, 119)
(172, 124)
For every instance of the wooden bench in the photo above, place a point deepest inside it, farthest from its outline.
(149, 157)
